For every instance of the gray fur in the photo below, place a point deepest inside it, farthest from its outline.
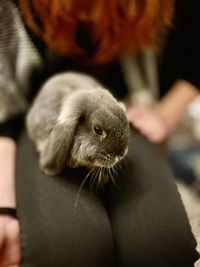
(61, 123)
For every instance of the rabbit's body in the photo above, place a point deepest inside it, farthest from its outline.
(75, 121)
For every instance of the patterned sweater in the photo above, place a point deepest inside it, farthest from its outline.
(18, 59)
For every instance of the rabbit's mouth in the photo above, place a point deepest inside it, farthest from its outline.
(108, 161)
(102, 162)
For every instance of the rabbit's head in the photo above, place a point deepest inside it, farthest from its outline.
(102, 136)
(92, 131)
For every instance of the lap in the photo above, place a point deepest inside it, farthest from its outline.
(143, 217)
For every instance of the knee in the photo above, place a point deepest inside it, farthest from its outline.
(161, 249)
(67, 243)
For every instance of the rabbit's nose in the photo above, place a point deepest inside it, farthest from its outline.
(123, 153)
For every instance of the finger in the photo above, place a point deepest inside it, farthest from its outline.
(11, 256)
(12, 245)
(142, 121)
(134, 112)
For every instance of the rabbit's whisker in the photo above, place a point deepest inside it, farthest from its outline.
(111, 176)
(80, 188)
(94, 176)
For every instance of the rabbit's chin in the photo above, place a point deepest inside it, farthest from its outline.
(95, 164)
(73, 163)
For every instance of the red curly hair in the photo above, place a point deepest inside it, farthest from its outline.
(97, 30)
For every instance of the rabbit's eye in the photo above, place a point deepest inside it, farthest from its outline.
(98, 130)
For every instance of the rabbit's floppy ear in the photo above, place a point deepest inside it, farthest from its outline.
(57, 150)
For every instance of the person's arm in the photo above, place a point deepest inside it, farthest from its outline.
(172, 107)
(7, 172)
(10, 249)
(14, 73)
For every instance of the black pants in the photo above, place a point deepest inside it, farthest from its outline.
(140, 222)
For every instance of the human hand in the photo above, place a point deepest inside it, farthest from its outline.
(10, 252)
(149, 122)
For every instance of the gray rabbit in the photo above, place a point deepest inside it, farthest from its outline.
(74, 121)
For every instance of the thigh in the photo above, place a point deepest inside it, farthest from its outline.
(57, 229)
(148, 219)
